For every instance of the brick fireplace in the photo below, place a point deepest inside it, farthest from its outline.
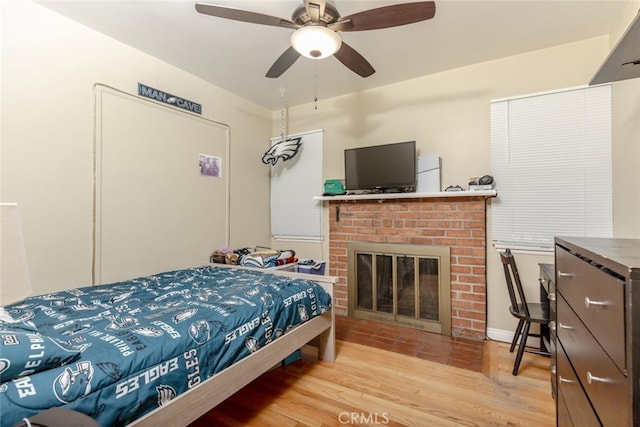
(458, 222)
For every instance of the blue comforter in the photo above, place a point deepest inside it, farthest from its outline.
(118, 351)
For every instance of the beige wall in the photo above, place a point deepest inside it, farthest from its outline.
(626, 158)
(448, 114)
(626, 143)
(49, 65)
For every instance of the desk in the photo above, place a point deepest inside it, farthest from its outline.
(547, 281)
(547, 297)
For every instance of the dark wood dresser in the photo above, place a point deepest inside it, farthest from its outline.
(597, 331)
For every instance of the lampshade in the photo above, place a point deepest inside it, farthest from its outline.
(15, 284)
(315, 41)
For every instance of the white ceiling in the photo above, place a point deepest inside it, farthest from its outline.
(236, 55)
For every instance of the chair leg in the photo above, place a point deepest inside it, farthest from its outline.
(521, 347)
(516, 336)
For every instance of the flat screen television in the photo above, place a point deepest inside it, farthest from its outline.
(381, 168)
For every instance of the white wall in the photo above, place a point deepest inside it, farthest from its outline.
(49, 65)
(448, 114)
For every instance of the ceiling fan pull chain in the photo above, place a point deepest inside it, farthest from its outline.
(315, 86)
(283, 117)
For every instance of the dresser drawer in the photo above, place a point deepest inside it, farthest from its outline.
(574, 408)
(563, 419)
(605, 385)
(597, 297)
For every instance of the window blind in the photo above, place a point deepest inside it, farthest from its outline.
(551, 160)
(294, 213)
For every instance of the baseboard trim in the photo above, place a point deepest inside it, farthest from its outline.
(507, 336)
(499, 335)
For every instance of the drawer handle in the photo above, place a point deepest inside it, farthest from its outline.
(592, 378)
(551, 296)
(567, 327)
(567, 275)
(552, 325)
(589, 302)
(553, 369)
(565, 380)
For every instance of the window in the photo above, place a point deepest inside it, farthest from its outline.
(551, 159)
(294, 213)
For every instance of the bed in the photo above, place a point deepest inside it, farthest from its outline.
(158, 350)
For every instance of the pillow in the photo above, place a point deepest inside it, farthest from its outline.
(24, 353)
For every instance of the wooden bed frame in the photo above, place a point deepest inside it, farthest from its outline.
(189, 406)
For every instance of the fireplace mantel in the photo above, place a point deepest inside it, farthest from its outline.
(382, 196)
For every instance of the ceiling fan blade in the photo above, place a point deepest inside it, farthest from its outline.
(354, 61)
(387, 16)
(315, 9)
(244, 16)
(283, 63)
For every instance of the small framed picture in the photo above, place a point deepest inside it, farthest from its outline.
(210, 165)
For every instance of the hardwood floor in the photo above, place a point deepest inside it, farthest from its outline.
(367, 385)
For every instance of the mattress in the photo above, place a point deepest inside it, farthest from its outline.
(118, 351)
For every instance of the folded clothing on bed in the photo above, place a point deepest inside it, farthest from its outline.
(267, 258)
(130, 347)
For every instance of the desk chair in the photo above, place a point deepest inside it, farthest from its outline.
(526, 313)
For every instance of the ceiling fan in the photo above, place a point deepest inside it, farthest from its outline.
(317, 23)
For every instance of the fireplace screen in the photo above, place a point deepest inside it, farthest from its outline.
(401, 284)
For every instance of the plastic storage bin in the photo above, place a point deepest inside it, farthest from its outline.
(292, 358)
(285, 267)
(310, 266)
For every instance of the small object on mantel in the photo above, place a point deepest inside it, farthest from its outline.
(483, 180)
(483, 183)
(454, 188)
(333, 187)
(482, 187)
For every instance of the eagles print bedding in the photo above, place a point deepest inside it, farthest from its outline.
(118, 351)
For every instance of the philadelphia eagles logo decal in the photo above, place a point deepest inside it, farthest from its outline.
(285, 150)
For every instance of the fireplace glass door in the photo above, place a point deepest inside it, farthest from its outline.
(401, 288)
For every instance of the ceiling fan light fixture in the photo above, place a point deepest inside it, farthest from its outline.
(315, 41)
